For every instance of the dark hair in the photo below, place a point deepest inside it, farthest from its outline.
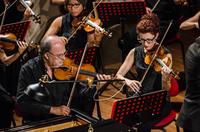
(45, 46)
(83, 2)
(148, 23)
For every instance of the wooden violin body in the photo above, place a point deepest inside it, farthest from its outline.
(8, 41)
(161, 60)
(69, 70)
(161, 55)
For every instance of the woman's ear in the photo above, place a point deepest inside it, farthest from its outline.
(157, 35)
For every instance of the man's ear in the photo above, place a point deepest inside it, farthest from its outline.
(46, 56)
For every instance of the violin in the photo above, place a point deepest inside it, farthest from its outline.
(159, 63)
(68, 70)
(90, 24)
(8, 41)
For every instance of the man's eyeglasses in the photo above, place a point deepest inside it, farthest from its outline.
(146, 40)
(73, 5)
(58, 55)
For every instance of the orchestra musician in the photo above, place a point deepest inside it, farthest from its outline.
(6, 102)
(89, 5)
(65, 25)
(189, 114)
(13, 7)
(15, 12)
(191, 23)
(166, 10)
(148, 32)
(52, 56)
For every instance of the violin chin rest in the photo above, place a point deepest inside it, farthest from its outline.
(37, 92)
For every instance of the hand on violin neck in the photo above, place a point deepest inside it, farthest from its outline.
(64, 39)
(94, 39)
(21, 46)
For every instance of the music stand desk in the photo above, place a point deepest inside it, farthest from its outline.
(147, 103)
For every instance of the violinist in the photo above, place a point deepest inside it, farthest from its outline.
(6, 102)
(65, 25)
(15, 13)
(148, 32)
(166, 10)
(52, 56)
(7, 60)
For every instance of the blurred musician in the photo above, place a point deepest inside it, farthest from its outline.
(47, 12)
(6, 102)
(189, 115)
(15, 12)
(193, 22)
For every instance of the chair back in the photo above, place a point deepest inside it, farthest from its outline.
(174, 89)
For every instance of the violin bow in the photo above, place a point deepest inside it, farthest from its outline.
(155, 54)
(7, 6)
(155, 5)
(83, 56)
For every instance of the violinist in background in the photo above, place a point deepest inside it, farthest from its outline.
(15, 13)
(65, 25)
(148, 32)
(88, 4)
(6, 102)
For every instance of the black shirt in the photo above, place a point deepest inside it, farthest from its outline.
(57, 95)
(190, 111)
(152, 81)
(30, 73)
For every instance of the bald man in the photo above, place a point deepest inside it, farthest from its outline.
(52, 56)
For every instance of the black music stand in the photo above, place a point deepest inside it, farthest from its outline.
(19, 29)
(144, 105)
(116, 11)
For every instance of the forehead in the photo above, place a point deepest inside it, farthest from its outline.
(73, 1)
(146, 35)
(57, 46)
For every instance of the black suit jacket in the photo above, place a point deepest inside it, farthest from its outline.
(189, 116)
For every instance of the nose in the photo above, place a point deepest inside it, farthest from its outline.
(62, 57)
(146, 43)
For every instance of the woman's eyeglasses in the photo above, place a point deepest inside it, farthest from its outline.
(141, 40)
(73, 5)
